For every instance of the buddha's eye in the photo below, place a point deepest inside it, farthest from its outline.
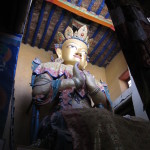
(72, 47)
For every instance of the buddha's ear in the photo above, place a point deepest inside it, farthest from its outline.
(59, 52)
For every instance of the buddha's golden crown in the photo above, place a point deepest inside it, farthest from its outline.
(81, 35)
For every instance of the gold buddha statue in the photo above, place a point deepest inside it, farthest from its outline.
(72, 50)
(67, 82)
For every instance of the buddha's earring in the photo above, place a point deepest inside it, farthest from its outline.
(87, 58)
(59, 60)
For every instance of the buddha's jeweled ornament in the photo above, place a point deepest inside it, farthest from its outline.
(81, 35)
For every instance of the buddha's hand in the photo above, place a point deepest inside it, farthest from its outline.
(78, 77)
(94, 91)
(90, 81)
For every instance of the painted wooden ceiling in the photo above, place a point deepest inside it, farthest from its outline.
(46, 18)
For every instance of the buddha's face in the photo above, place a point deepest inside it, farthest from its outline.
(73, 51)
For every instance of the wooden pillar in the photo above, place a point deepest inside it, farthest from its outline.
(133, 31)
(13, 15)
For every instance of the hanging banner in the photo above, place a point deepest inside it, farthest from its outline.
(9, 48)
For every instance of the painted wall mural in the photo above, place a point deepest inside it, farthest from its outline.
(9, 48)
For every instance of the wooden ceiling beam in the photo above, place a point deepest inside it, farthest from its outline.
(85, 14)
(103, 49)
(99, 42)
(96, 31)
(38, 24)
(47, 25)
(108, 53)
(55, 29)
(29, 23)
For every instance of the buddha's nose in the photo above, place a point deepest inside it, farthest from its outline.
(79, 54)
(79, 49)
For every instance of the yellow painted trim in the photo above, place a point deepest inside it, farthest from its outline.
(76, 10)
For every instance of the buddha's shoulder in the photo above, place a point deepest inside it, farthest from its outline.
(50, 64)
(55, 68)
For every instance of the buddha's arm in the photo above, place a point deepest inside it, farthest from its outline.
(44, 84)
(66, 84)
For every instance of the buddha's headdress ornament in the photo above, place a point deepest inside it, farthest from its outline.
(81, 35)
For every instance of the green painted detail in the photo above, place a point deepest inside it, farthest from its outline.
(86, 12)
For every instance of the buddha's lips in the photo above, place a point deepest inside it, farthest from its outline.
(77, 56)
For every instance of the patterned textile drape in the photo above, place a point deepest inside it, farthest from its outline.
(133, 31)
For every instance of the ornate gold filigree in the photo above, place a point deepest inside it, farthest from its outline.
(81, 34)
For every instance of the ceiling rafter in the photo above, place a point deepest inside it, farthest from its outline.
(55, 29)
(67, 25)
(39, 23)
(103, 49)
(108, 53)
(96, 32)
(90, 5)
(107, 15)
(79, 2)
(98, 12)
(29, 22)
(47, 25)
(99, 42)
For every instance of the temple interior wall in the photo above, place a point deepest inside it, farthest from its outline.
(113, 71)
